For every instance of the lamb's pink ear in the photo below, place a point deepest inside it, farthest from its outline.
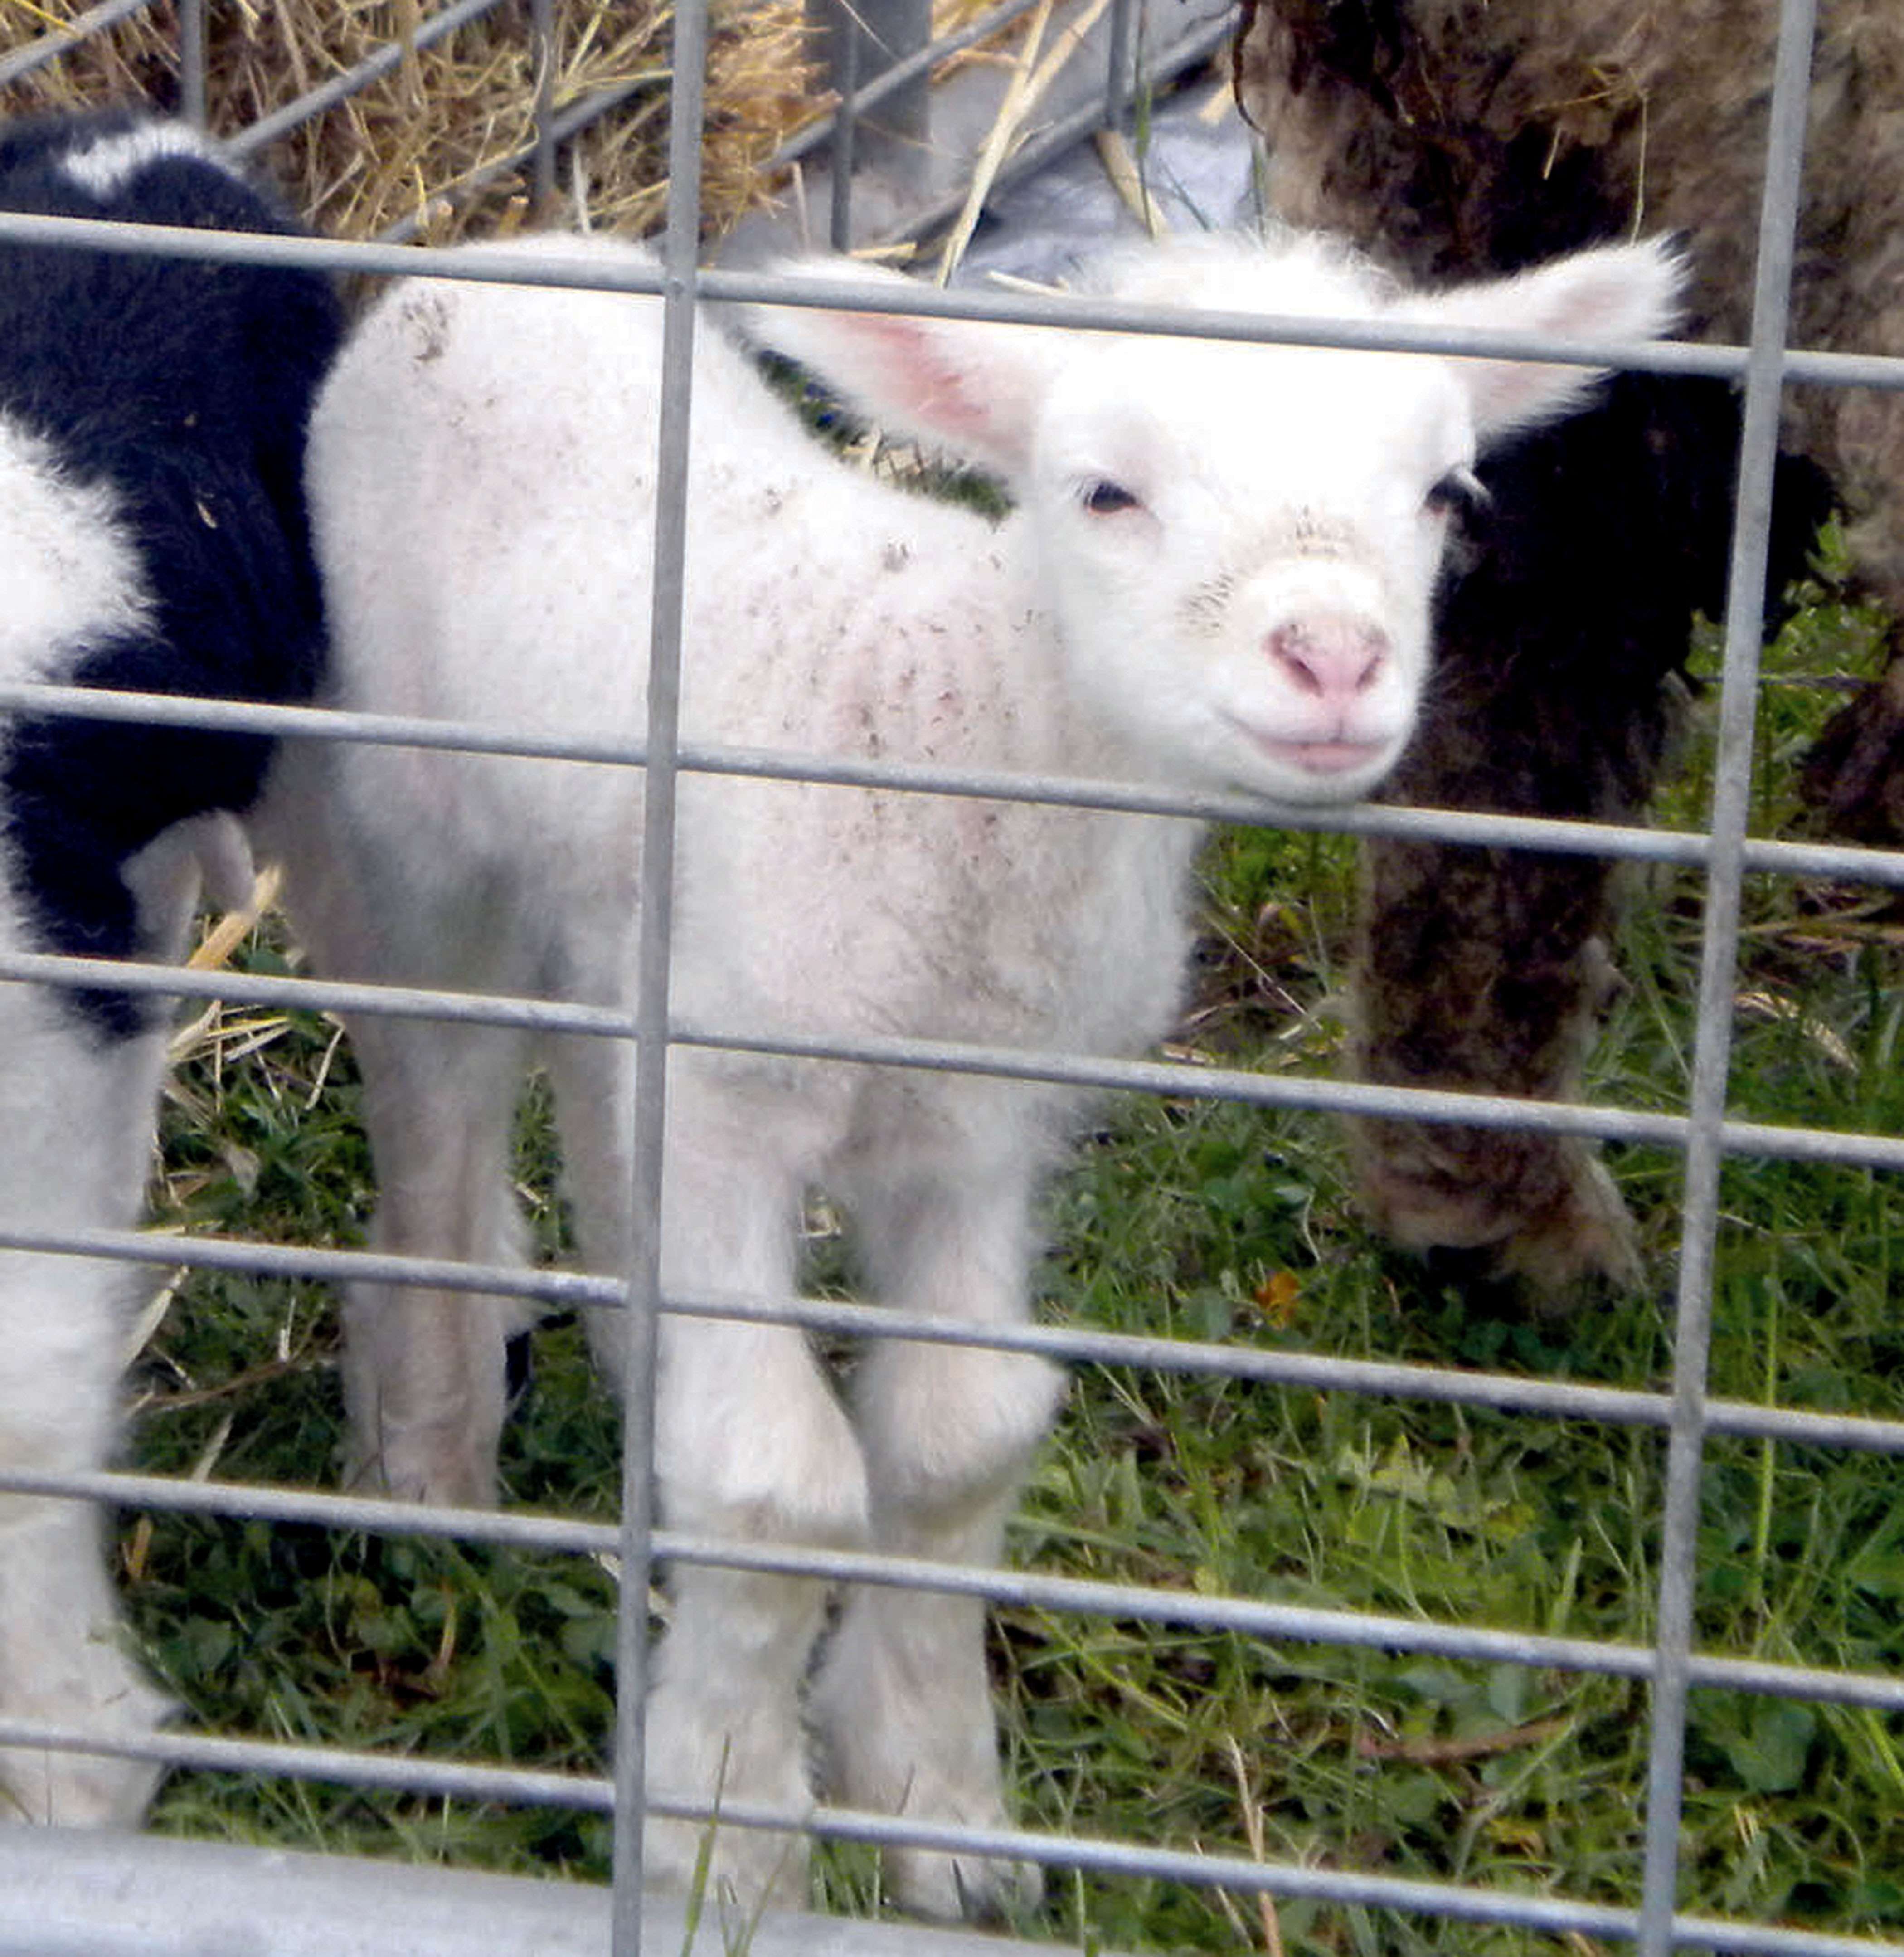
(1614, 292)
(967, 389)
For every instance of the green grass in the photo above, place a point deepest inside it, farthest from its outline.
(1209, 1222)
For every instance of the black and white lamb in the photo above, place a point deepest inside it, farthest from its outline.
(1218, 575)
(1453, 138)
(152, 538)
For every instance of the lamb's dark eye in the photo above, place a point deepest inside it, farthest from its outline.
(1461, 492)
(1105, 498)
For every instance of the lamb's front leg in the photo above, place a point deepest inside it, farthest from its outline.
(751, 1447)
(77, 1109)
(903, 1702)
(64, 1650)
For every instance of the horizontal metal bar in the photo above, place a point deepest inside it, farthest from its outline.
(569, 1290)
(1079, 312)
(1254, 1365)
(314, 995)
(581, 115)
(370, 1514)
(1254, 1618)
(525, 264)
(76, 1893)
(64, 39)
(97, 1893)
(890, 80)
(559, 1289)
(1170, 1080)
(402, 1772)
(354, 80)
(94, 1894)
(1478, 829)
(1556, 1916)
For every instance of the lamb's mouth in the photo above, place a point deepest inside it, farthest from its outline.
(1336, 755)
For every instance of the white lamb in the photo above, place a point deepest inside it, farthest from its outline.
(1218, 577)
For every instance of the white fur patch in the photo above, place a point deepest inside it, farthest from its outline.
(106, 167)
(69, 570)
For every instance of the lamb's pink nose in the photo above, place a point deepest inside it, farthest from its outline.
(1330, 657)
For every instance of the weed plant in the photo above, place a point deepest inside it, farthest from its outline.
(1210, 1222)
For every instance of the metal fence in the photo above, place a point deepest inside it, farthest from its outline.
(97, 1896)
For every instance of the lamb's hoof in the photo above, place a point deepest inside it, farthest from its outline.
(77, 1790)
(67, 1671)
(739, 1870)
(963, 1888)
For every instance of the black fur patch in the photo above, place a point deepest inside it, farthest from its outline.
(186, 388)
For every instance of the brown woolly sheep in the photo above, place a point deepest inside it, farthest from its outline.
(1452, 136)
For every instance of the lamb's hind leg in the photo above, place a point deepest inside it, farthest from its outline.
(903, 1701)
(751, 1446)
(425, 1369)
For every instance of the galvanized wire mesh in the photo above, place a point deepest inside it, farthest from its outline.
(1684, 1412)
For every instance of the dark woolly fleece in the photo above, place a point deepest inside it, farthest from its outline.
(186, 388)
(1428, 131)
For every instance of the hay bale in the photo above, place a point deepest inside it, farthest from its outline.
(417, 146)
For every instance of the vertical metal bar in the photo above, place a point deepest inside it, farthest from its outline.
(846, 125)
(541, 31)
(893, 29)
(680, 249)
(1732, 795)
(1120, 83)
(859, 41)
(191, 61)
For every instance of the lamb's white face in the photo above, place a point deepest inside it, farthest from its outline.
(1240, 541)
(1244, 589)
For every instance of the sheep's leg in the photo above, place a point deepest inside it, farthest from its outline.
(903, 1702)
(62, 1646)
(1853, 773)
(1485, 970)
(81, 1115)
(63, 1657)
(1556, 694)
(751, 1446)
(425, 1370)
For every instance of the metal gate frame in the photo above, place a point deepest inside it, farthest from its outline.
(102, 1894)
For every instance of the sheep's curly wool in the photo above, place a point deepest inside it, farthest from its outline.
(1448, 137)
(1453, 134)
